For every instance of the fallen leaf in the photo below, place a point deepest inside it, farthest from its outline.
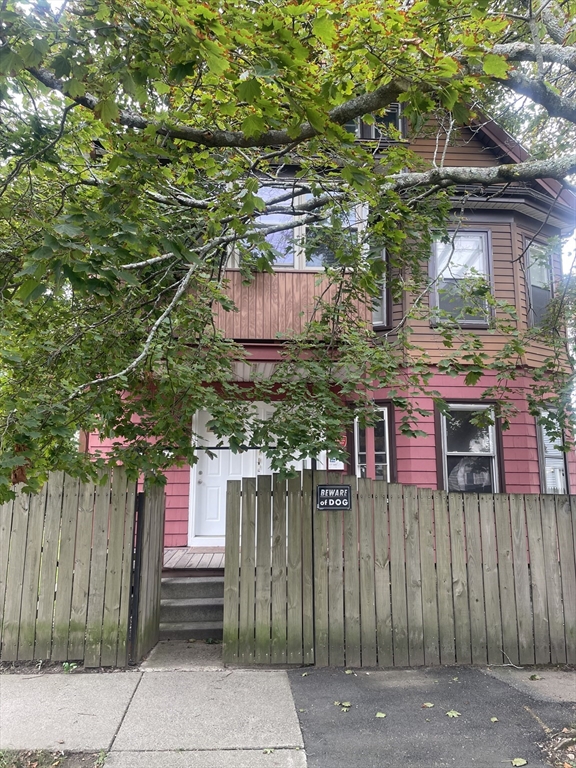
(493, 719)
(519, 761)
(380, 714)
(567, 766)
(304, 674)
(535, 677)
(345, 709)
(427, 705)
(346, 704)
(268, 751)
(455, 679)
(337, 703)
(453, 713)
(349, 672)
(301, 710)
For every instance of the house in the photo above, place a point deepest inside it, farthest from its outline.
(499, 238)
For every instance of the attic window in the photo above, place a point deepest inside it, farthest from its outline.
(382, 130)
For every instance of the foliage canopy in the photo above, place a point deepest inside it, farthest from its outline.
(135, 138)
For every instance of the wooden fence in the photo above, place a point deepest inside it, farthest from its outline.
(66, 572)
(407, 577)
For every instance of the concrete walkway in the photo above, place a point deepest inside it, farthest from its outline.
(183, 709)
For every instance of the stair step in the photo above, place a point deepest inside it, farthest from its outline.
(187, 630)
(190, 610)
(192, 587)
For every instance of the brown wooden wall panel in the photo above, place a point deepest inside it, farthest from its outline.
(464, 149)
(271, 305)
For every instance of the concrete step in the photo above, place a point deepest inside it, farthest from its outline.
(195, 609)
(188, 630)
(192, 587)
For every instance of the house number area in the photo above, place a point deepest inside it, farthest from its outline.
(334, 497)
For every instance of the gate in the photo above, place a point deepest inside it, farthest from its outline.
(67, 581)
(406, 577)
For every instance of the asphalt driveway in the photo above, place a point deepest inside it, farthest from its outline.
(412, 735)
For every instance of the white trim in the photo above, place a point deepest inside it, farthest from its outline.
(492, 454)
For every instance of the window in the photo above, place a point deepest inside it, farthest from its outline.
(383, 129)
(552, 463)
(469, 450)
(539, 282)
(372, 448)
(461, 273)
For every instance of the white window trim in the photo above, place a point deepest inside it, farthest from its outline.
(385, 410)
(529, 295)
(470, 407)
(435, 278)
(543, 455)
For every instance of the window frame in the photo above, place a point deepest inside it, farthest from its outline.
(530, 243)
(486, 235)
(442, 447)
(386, 408)
(542, 456)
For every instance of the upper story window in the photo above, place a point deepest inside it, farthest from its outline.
(539, 283)
(460, 270)
(552, 463)
(384, 128)
(469, 457)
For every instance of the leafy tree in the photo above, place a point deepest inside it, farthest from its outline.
(136, 138)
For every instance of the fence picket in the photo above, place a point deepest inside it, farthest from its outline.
(413, 577)
(31, 576)
(460, 579)
(307, 570)
(43, 646)
(231, 572)
(97, 575)
(335, 587)
(279, 575)
(122, 657)
(568, 572)
(491, 591)
(553, 580)
(382, 576)
(429, 587)
(506, 579)
(444, 576)
(114, 570)
(538, 581)
(398, 577)
(5, 537)
(521, 580)
(351, 579)
(15, 578)
(62, 604)
(263, 566)
(320, 523)
(294, 585)
(247, 564)
(475, 580)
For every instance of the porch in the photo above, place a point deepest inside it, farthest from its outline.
(195, 559)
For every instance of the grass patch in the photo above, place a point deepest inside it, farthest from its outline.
(45, 759)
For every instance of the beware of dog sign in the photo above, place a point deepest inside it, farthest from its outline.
(334, 497)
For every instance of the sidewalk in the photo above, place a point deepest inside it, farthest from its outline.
(179, 710)
(183, 709)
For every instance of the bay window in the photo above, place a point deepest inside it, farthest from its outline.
(552, 462)
(460, 271)
(539, 283)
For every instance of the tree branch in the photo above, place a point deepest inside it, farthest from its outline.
(556, 54)
(540, 93)
(360, 105)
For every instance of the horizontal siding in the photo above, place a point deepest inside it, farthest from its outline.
(464, 149)
(273, 304)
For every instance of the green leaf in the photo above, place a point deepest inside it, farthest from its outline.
(75, 88)
(380, 714)
(453, 713)
(10, 62)
(519, 761)
(161, 87)
(30, 290)
(324, 29)
(253, 125)
(493, 719)
(12, 357)
(427, 705)
(249, 90)
(495, 66)
(107, 111)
